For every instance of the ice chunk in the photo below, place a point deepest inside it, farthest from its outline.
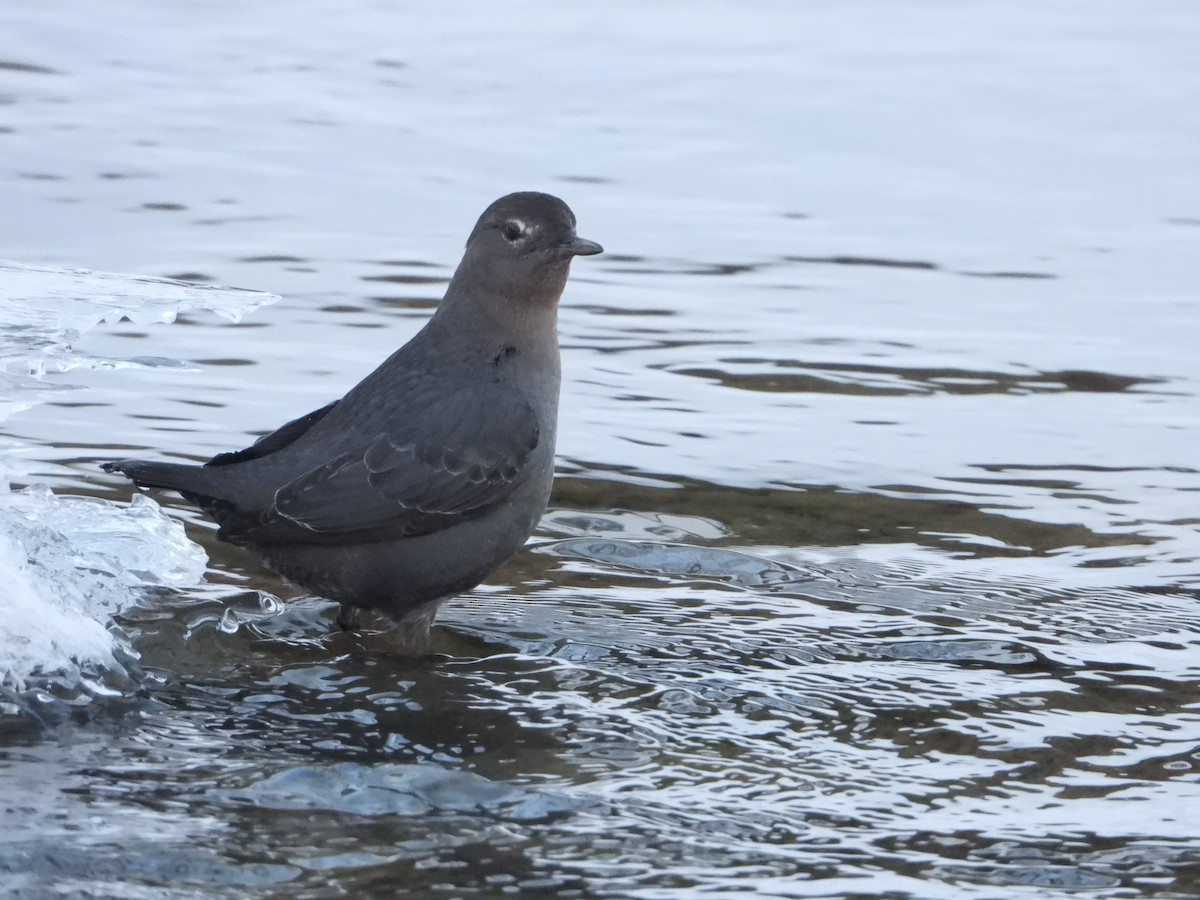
(44, 310)
(70, 563)
(78, 299)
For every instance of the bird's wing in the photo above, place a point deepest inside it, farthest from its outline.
(276, 440)
(444, 465)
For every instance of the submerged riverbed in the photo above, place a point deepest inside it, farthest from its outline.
(872, 566)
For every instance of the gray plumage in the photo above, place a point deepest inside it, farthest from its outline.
(435, 468)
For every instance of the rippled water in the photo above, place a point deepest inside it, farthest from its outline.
(872, 568)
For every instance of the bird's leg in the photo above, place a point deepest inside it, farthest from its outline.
(349, 618)
(408, 636)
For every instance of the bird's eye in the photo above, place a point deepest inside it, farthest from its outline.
(513, 230)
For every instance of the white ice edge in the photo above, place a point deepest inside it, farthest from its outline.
(82, 298)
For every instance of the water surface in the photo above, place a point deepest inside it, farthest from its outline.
(872, 564)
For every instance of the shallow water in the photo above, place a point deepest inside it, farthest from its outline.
(872, 566)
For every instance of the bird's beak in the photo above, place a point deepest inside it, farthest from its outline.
(578, 246)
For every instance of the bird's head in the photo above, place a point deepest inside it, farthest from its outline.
(522, 247)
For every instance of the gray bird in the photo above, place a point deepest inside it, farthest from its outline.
(436, 467)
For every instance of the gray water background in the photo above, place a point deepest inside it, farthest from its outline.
(872, 566)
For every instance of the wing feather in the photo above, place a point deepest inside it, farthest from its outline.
(442, 466)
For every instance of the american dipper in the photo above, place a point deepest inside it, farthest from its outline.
(435, 468)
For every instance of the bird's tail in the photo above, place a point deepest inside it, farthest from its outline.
(175, 476)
